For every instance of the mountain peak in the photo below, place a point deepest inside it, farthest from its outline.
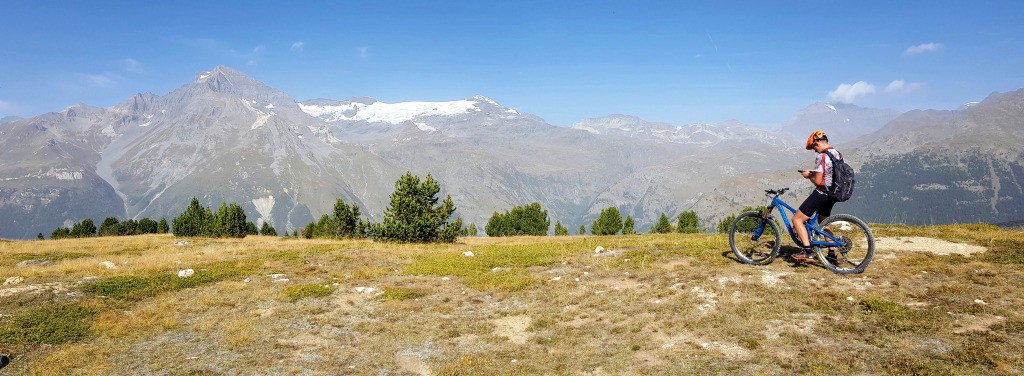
(219, 72)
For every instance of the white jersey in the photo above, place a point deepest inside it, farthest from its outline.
(823, 165)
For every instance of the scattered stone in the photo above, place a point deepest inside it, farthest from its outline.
(979, 301)
(599, 292)
(247, 279)
(556, 279)
(275, 276)
(599, 249)
(109, 265)
(186, 273)
(577, 279)
(365, 290)
(90, 279)
(13, 280)
(38, 262)
(468, 254)
(192, 358)
(668, 345)
(849, 298)
(446, 278)
(181, 243)
(282, 280)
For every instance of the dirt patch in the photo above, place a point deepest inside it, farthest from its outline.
(922, 244)
(513, 327)
(413, 364)
(979, 323)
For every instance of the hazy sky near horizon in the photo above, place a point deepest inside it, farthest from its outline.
(672, 61)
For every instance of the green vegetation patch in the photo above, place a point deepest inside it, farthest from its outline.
(478, 270)
(299, 292)
(50, 324)
(400, 293)
(895, 318)
(134, 288)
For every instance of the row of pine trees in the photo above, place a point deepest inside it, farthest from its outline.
(414, 214)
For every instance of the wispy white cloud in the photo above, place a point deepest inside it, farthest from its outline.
(132, 65)
(298, 46)
(847, 93)
(364, 52)
(923, 48)
(100, 80)
(899, 86)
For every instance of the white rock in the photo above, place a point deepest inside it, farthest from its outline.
(13, 280)
(668, 345)
(275, 276)
(181, 243)
(186, 273)
(446, 278)
(109, 265)
(247, 279)
(556, 279)
(468, 254)
(281, 280)
(577, 279)
(599, 249)
(979, 301)
(850, 298)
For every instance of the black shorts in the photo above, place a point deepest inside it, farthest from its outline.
(817, 202)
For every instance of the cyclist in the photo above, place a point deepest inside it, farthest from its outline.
(818, 201)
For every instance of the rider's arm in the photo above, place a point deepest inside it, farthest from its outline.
(817, 175)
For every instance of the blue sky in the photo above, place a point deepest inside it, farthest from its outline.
(673, 61)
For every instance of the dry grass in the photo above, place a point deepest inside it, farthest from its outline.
(649, 304)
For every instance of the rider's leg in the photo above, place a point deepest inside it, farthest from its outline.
(799, 219)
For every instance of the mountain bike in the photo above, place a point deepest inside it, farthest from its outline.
(842, 243)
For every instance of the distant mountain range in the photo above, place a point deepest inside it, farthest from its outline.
(228, 137)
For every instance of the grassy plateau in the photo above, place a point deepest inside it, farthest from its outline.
(647, 305)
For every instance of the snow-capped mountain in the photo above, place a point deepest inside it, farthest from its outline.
(228, 137)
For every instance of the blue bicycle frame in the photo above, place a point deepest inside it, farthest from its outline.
(811, 228)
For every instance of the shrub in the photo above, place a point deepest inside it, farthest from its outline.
(726, 223)
(413, 214)
(608, 223)
(162, 227)
(399, 294)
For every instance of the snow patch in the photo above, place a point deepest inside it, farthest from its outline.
(393, 113)
(833, 108)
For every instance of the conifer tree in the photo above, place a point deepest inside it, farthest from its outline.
(627, 227)
(414, 215)
(162, 227)
(608, 223)
(40, 236)
(583, 230)
(147, 226)
(60, 233)
(267, 230)
(560, 230)
(663, 226)
(83, 229)
(110, 227)
(688, 223)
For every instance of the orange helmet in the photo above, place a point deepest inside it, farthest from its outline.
(815, 136)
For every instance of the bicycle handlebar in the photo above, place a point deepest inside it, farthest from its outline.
(776, 192)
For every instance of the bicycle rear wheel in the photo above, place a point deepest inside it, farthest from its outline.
(748, 249)
(857, 249)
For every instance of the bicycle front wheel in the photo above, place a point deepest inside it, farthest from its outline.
(857, 244)
(751, 247)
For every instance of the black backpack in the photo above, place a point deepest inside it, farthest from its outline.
(842, 179)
